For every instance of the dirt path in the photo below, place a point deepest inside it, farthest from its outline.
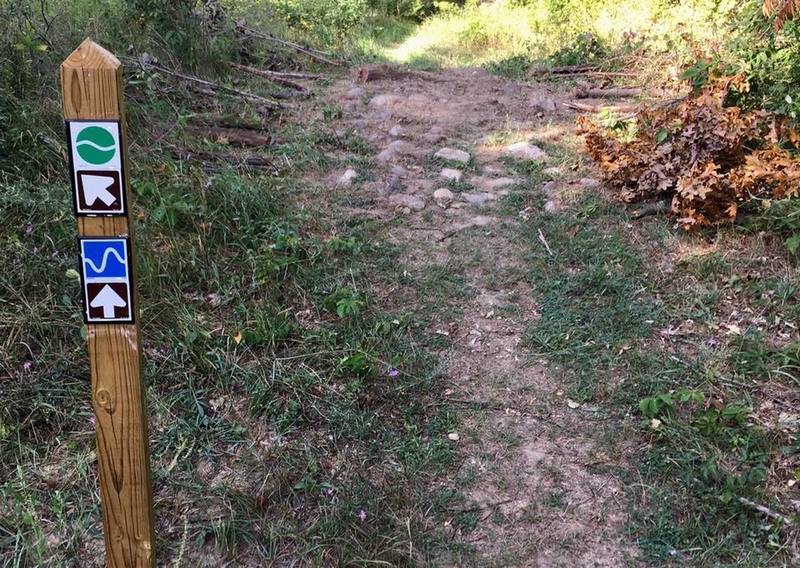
(529, 455)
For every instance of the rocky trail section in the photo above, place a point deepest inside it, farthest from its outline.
(438, 181)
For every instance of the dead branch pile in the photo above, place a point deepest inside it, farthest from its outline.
(707, 157)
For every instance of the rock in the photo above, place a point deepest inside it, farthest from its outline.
(347, 178)
(410, 201)
(383, 100)
(397, 131)
(477, 198)
(442, 196)
(526, 151)
(480, 221)
(552, 206)
(398, 172)
(434, 135)
(589, 183)
(354, 93)
(395, 185)
(451, 174)
(395, 150)
(550, 186)
(494, 184)
(544, 104)
(453, 155)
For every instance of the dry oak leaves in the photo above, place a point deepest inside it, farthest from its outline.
(709, 158)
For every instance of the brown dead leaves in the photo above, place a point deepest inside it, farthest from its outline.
(709, 158)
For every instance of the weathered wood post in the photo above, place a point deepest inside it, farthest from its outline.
(91, 85)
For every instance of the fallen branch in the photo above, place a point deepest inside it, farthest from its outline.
(209, 87)
(227, 121)
(232, 136)
(544, 242)
(384, 71)
(585, 107)
(613, 92)
(653, 208)
(249, 161)
(565, 70)
(309, 51)
(273, 76)
(768, 512)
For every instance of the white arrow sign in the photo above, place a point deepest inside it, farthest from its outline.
(96, 187)
(108, 299)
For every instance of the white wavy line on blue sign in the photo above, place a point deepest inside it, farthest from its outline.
(104, 262)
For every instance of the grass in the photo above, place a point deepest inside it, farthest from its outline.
(509, 37)
(293, 411)
(698, 398)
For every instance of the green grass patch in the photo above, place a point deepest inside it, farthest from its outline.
(706, 453)
(292, 413)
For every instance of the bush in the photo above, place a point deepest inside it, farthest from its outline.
(769, 59)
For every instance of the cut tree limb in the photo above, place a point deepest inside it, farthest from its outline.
(565, 70)
(613, 92)
(248, 161)
(309, 51)
(209, 87)
(382, 71)
(232, 136)
(585, 107)
(227, 121)
(273, 76)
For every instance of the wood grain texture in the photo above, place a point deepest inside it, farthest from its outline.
(91, 84)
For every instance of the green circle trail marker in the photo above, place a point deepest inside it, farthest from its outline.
(98, 180)
(96, 145)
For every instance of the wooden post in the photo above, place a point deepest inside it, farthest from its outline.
(91, 85)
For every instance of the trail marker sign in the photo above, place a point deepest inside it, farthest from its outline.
(94, 112)
(106, 277)
(96, 163)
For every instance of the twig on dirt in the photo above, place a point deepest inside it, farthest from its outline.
(309, 51)
(767, 511)
(544, 242)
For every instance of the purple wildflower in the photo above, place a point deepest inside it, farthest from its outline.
(393, 372)
(362, 514)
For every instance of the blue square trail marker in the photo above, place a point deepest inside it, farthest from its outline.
(106, 277)
(96, 167)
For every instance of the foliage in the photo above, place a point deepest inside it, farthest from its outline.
(781, 10)
(768, 58)
(708, 157)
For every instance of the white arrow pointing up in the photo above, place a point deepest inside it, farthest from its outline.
(108, 299)
(95, 187)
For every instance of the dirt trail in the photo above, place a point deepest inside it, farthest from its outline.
(529, 457)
